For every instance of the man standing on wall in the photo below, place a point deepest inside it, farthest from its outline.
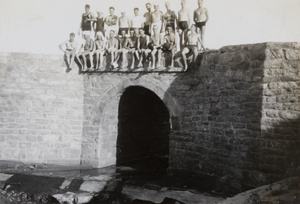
(157, 19)
(137, 22)
(70, 49)
(170, 18)
(183, 22)
(124, 23)
(200, 18)
(111, 22)
(98, 24)
(147, 16)
(86, 20)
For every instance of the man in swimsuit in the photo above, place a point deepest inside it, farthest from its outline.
(191, 44)
(112, 46)
(86, 50)
(148, 16)
(170, 18)
(124, 23)
(200, 18)
(111, 21)
(142, 47)
(100, 50)
(156, 43)
(98, 24)
(119, 52)
(183, 22)
(170, 44)
(137, 21)
(130, 47)
(157, 19)
(87, 18)
(70, 49)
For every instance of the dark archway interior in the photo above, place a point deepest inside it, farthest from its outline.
(143, 129)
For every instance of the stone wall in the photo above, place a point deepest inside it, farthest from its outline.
(41, 109)
(235, 116)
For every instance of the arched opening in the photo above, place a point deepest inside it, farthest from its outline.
(143, 129)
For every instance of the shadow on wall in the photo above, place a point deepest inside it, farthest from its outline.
(220, 133)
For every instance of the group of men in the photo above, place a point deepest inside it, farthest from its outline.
(144, 36)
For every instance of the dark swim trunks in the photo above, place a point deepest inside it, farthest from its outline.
(183, 25)
(147, 29)
(200, 24)
(191, 47)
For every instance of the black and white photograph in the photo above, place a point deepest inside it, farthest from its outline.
(149, 102)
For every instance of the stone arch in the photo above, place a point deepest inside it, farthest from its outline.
(106, 114)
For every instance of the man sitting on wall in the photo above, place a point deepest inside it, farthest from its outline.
(170, 44)
(130, 47)
(191, 45)
(100, 50)
(112, 47)
(155, 45)
(142, 47)
(87, 49)
(70, 49)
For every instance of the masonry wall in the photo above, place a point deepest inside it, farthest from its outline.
(240, 119)
(41, 109)
(235, 116)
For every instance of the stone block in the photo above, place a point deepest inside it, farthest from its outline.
(92, 186)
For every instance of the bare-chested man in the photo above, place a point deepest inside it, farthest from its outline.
(130, 47)
(100, 50)
(170, 44)
(157, 18)
(183, 22)
(156, 43)
(111, 22)
(191, 44)
(119, 52)
(124, 23)
(112, 47)
(142, 47)
(70, 49)
(200, 18)
(148, 16)
(170, 18)
(86, 20)
(86, 50)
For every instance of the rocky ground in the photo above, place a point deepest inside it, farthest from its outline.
(42, 184)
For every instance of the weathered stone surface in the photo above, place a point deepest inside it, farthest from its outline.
(227, 114)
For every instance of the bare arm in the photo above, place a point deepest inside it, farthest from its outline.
(80, 27)
(189, 18)
(194, 16)
(207, 16)
(61, 46)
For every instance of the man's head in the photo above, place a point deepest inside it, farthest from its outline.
(136, 11)
(111, 33)
(72, 37)
(131, 32)
(123, 14)
(111, 10)
(99, 36)
(87, 8)
(169, 29)
(168, 5)
(183, 4)
(123, 33)
(148, 6)
(100, 14)
(193, 28)
(156, 6)
(200, 2)
(142, 32)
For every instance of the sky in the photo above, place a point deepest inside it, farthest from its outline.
(39, 26)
